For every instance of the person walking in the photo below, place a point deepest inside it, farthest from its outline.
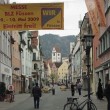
(29, 88)
(53, 90)
(79, 87)
(99, 90)
(72, 89)
(107, 94)
(36, 91)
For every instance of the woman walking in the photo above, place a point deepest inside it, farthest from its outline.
(100, 90)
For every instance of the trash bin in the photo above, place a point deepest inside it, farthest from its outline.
(53, 91)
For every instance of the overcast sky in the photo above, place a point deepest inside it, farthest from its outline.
(74, 10)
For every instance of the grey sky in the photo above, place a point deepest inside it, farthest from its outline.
(74, 10)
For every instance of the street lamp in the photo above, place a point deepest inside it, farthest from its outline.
(40, 71)
(66, 81)
(87, 43)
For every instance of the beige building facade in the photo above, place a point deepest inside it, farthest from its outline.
(16, 62)
(63, 72)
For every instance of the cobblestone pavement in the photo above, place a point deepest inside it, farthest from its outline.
(19, 98)
(49, 101)
(100, 104)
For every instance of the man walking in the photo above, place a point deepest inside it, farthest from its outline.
(79, 86)
(36, 91)
(72, 89)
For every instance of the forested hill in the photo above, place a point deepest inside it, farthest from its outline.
(48, 41)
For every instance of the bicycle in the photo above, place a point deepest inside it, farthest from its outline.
(1, 97)
(76, 106)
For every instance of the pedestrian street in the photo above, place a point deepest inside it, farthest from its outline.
(49, 101)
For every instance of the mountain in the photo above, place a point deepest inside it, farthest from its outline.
(48, 41)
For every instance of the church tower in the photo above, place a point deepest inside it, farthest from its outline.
(56, 54)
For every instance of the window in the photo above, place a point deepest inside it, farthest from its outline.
(96, 53)
(53, 54)
(105, 36)
(35, 66)
(108, 36)
(34, 56)
(105, 42)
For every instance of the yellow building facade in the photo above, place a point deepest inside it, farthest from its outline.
(63, 72)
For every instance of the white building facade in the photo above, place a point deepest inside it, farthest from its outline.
(76, 61)
(26, 59)
(56, 55)
(5, 58)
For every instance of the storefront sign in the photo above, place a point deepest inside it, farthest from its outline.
(31, 16)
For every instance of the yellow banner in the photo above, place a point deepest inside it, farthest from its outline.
(100, 9)
(32, 16)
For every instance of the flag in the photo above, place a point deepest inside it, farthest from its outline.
(100, 9)
(92, 12)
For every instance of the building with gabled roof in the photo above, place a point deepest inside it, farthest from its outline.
(56, 54)
(63, 72)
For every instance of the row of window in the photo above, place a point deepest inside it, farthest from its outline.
(28, 56)
(5, 42)
(26, 70)
(104, 43)
(54, 54)
(61, 73)
(4, 59)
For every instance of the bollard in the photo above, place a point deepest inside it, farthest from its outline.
(53, 91)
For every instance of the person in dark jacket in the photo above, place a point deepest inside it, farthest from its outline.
(100, 90)
(107, 94)
(72, 89)
(36, 91)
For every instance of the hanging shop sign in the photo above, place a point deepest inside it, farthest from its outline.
(32, 16)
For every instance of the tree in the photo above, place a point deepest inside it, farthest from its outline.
(52, 77)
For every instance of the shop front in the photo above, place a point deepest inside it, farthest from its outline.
(16, 81)
(6, 74)
(23, 83)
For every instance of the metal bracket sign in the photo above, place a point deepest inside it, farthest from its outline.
(38, 16)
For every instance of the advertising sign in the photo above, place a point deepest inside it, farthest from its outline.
(10, 87)
(32, 16)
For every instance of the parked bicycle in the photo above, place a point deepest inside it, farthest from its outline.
(74, 105)
(2, 97)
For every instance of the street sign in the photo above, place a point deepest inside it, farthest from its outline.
(10, 87)
(32, 16)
